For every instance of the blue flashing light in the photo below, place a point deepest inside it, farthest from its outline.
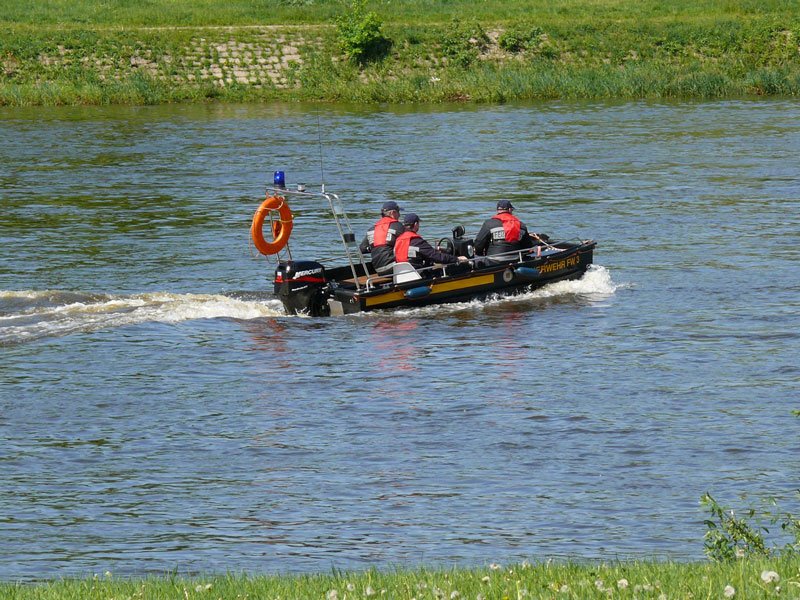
(279, 179)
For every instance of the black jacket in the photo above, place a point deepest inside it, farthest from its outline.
(491, 239)
(422, 254)
(382, 256)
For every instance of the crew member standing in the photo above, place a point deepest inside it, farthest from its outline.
(412, 248)
(380, 240)
(502, 233)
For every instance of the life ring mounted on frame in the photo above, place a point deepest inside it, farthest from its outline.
(281, 227)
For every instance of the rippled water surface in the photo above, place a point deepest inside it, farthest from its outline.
(158, 411)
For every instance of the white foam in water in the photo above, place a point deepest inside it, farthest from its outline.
(49, 313)
(595, 285)
(40, 315)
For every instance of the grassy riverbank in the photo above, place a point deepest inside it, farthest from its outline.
(179, 51)
(741, 579)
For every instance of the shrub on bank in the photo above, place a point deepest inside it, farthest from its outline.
(360, 35)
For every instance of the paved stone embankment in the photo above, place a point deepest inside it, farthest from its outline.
(253, 56)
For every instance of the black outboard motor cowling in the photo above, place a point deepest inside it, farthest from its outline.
(302, 287)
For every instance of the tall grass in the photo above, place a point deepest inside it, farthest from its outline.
(97, 53)
(116, 13)
(560, 580)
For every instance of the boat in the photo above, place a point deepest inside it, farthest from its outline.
(309, 287)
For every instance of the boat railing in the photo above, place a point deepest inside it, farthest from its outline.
(527, 253)
(390, 273)
(376, 279)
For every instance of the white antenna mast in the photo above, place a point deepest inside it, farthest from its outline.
(321, 170)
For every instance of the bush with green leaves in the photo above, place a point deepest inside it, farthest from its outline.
(463, 42)
(730, 536)
(520, 37)
(360, 35)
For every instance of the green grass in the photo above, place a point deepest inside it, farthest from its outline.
(117, 13)
(557, 580)
(188, 51)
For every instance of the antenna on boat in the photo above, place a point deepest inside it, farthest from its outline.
(321, 169)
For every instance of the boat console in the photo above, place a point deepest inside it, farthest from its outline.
(459, 245)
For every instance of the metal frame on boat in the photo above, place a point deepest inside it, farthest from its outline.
(309, 287)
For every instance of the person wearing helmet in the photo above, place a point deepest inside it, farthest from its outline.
(502, 233)
(412, 248)
(379, 241)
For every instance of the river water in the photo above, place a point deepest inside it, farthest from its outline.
(159, 412)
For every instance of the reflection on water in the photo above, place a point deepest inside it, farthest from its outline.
(393, 341)
(160, 412)
(268, 338)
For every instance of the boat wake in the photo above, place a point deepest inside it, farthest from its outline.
(595, 286)
(27, 316)
(31, 315)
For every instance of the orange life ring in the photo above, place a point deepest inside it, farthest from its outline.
(281, 229)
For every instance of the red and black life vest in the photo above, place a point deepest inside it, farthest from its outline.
(402, 244)
(511, 225)
(382, 231)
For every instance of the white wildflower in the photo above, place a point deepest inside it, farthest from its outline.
(485, 579)
(564, 589)
(739, 552)
(332, 595)
(435, 80)
(454, 594)
(729, 591)
(599, 584)
(369, 591)
(494, 566)
(622, 583)
(770, 577)
(351, 587)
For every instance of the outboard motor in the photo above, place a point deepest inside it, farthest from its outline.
(302, 287)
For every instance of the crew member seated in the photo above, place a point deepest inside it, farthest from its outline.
(379, 241)
(502, 233)
(410, 247)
